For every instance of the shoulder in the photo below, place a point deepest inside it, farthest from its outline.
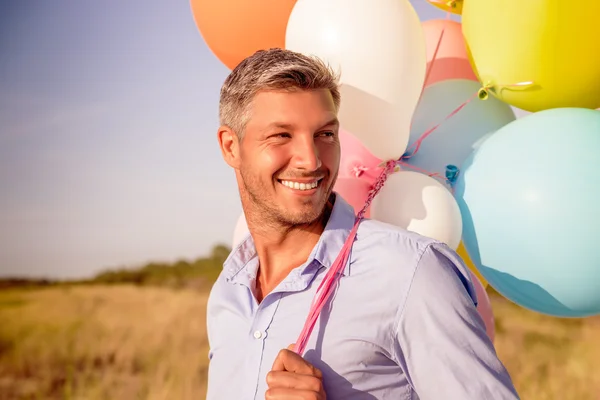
(387, 255)
(397, 253)
(382, 240)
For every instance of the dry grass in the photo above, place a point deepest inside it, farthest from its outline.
(126, 342)
(118, 342)
(548, 358)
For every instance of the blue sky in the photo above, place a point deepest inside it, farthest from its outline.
(108, 151)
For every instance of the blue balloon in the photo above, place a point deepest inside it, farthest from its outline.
(456, 138)
(530, 201)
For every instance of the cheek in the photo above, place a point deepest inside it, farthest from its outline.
(330, 154)
(270, 161)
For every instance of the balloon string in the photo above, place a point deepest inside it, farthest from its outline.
(331, 279)
(435, 53)
(436, 175)
(481, 93)
(520, 85)
(417, 144)
(432, 63)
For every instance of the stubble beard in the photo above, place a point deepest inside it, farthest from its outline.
(268, 213)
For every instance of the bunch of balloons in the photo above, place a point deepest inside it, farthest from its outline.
(514, 197)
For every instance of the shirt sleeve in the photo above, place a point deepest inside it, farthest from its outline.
(440, 339)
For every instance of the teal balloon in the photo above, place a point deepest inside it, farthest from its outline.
(456, 138)
(530, 202)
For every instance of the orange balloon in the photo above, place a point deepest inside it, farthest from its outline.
(236, 29)
(451, 60)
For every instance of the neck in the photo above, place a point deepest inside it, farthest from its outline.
(281, 248)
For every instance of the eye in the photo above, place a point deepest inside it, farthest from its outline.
(327, 134)
(281, 135)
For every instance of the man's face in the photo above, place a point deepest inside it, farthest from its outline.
(289, 155)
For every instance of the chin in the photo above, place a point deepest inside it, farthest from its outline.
(303, 215)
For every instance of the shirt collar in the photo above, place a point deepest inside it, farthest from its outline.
(326, 250)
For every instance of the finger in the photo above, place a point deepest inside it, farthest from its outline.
(292, 394)
(278, 363)
(287, 360)
(290, 380)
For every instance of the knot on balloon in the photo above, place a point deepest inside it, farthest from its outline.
(452, 172)
(451, 4)
(390, 165)
(483, 94)
(358, 170)
(393, 166)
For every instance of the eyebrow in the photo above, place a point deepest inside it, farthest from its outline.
(331, 122)
(283, 125)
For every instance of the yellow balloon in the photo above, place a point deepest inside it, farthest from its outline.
(536, 54)
(453, 6)
(462, 252)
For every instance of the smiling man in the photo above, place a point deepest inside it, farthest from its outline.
(403, 322)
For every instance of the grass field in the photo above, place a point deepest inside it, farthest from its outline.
(103, 342)
(94, 342)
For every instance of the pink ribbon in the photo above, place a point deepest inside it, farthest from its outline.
(329, 282)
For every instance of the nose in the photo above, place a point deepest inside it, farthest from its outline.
(306, 154)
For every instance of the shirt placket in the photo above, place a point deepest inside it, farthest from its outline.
(259, 332)
(298, 280)
(264, 313)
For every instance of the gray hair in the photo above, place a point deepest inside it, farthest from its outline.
(273, 69)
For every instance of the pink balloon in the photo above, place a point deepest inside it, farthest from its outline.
(484, 307)
(355, 191)
(451, 60)
(356, 161)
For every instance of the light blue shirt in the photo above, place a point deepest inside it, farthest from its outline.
(402, 325)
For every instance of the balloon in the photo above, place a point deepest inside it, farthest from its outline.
(554, 45)
(529, 197)
(520, 113)
(355, 191)
(240, 232)
(380, 52)
(453, 6)
(421, 204)
(451, 60)
(484, 307)
(462, 252)
(236, 29)
(356, 161)
(454, 140)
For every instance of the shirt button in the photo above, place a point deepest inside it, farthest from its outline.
(257, 334)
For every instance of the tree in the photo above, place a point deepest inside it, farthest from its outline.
(220, 253)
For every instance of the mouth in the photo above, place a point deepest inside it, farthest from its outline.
(304, 186)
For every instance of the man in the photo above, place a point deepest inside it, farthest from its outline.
(402, 323)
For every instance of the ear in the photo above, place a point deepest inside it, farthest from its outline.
(230, 146)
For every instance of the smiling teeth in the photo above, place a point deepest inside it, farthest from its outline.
(300, 186)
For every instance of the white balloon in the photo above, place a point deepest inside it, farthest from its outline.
(240, 232)
(421, 204)
(379, 49)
